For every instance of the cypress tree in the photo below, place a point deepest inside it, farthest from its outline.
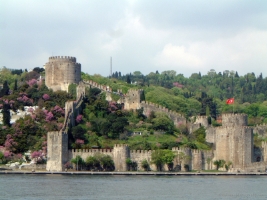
(128, 79)
(6, 114)
(5, 89)
(16, 85)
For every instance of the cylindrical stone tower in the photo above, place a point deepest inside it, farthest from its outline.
(61, 71)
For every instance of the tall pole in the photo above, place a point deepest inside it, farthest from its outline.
(110, 66)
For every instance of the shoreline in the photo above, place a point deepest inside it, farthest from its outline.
(135, 173)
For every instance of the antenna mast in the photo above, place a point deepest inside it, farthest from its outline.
(110, 66)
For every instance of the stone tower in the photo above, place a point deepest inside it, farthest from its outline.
(61, 71)
(120, 154)
(132, 99)
(57, 150)
(234, 140)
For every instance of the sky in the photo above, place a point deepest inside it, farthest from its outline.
(140, 35)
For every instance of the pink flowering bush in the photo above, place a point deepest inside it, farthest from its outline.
(176, 84)
(10, 144)
(24, 99)
(78, 144)
(32, 82)
(112, 106)
(48, 116)
(30, 110)
(8, 155)
(58, 111)
(79, 119)
(46, 97)
(36, 154)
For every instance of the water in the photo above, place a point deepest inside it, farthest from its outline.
(34, 187)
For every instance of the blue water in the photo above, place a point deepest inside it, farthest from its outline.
(34, 187)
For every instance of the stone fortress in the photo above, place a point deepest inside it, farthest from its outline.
(233, 141)
(61, 71)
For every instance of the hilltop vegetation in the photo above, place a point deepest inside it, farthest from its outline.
(104, 124)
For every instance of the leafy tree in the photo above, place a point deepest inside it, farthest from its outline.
(169, 155)
(78, 162)
(161, 157)
(227, 165)
(163, 123)
(219, 163)
(145, 165)
(92, 163)
(157, 158)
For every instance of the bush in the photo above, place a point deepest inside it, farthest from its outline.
(145, 165)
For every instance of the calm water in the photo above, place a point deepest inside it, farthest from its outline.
(132, 187)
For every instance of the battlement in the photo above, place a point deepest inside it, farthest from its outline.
(135, 90)
(232, 127)
(91, 83)
(260, 125)
(160, 108)
(62, 59)
(196, 151)
(234, 120)
(92, 150)
(201, 117)
(120, 145)
(233, 114)
(140, 151)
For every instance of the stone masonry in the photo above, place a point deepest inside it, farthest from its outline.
(61, 71)
(233, 141)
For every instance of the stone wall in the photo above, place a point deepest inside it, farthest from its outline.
(57, 141)
(255, 167)
(261, 130)
(61, 71)
(177, 118)
(195, 159)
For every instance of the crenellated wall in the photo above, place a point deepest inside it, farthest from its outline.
(195, 159)
(177, 118)
(234, 120)
(57, 141)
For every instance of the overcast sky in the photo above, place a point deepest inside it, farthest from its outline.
(140, 35)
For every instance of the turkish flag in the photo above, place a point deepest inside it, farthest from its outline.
(230, 101)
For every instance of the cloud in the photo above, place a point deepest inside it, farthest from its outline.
(173, 56)
(186, 36)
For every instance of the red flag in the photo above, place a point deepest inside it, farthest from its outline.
(230, 101)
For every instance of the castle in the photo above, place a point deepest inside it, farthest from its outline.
(61, 71)
(232, 142)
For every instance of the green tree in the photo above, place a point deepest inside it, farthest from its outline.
(169, 155)
(6, 114)
(163, 123)
(5, 89)
(92, 163)
(78, 162)
(219, 163)
(72, 90)
(157, 158)
(145, 165)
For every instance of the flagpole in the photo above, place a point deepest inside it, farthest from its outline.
(233, 104)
